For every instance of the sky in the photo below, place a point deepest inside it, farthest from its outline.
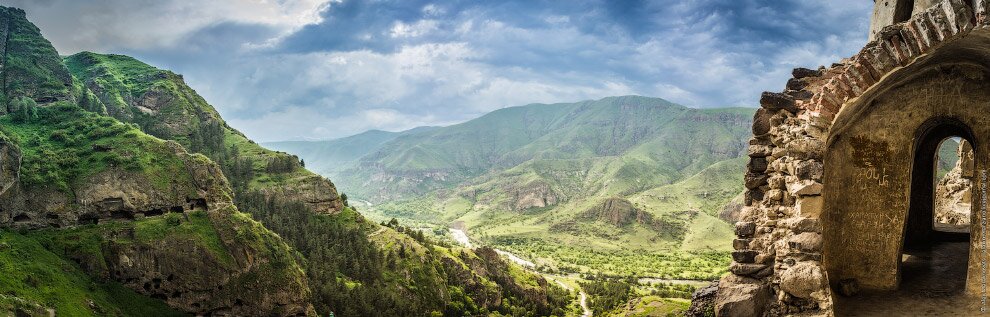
(323, 69)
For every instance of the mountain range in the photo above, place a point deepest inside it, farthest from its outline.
(619, 174)
(124, 193)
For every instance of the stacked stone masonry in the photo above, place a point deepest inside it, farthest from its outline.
(777, 263)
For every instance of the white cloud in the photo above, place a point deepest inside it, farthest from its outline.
(103, 25)
(420, 28)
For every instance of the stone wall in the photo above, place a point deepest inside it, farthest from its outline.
(777, 267)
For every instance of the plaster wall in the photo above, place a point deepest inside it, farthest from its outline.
(868, 170)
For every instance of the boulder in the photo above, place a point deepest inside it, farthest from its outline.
(803, 279)
(703, 301)
(740, 296)
(806, 242)
(777, 101)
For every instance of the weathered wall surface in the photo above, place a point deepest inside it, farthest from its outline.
(869, 165)
(836, 146)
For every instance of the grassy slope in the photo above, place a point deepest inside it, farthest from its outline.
(59, 148)
(31, 67)
(124, 80)
(691, 162)
(36, 275)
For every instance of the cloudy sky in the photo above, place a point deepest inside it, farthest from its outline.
(319, 69)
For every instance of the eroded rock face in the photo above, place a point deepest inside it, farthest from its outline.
(740, 296)
(114, 194)
(240, 278)
(953, 195)
(10, 165)
(247, 271)
(536, 195)
(317, 192)
(620, 212)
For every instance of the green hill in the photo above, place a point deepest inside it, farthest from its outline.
(524, 176)
(123, 192)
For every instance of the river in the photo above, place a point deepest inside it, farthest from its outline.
(461, 237)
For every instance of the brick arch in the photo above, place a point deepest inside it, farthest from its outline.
(779, 245)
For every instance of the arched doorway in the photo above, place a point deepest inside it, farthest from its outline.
(935, 254)
(922, 229)
(880, 193)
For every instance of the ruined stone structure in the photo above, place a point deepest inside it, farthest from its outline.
(841, 172)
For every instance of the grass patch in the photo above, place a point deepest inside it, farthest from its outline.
(65, 144)
(33, 274)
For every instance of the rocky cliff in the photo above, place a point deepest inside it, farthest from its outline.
(30, 65)
(160, 102)
(953, 196)
(127, 208)
(145, 213)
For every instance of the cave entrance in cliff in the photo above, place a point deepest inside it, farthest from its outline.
(935, 251)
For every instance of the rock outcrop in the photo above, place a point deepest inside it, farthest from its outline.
(953, 196)
(163, 105)
(534, 195)
(115, 193)
(145, 213)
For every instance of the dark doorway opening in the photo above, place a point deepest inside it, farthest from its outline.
(935, 253)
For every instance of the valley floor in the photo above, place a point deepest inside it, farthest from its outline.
(641, 306)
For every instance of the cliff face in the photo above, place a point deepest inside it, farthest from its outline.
(161, 103)
(30, 65)
(953, 193)
(145, 213)
(123, 205)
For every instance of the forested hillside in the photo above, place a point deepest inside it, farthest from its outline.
(125, 193)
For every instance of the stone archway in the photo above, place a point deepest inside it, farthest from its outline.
(879, 176)
(831, 175)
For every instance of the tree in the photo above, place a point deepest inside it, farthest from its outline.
(343, 198)
(23, 109)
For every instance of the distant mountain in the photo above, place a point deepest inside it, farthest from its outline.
(616, 145)
(124, 193)
(541, 171)
(332, 156)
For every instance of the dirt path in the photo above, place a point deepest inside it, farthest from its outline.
(380, 230)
